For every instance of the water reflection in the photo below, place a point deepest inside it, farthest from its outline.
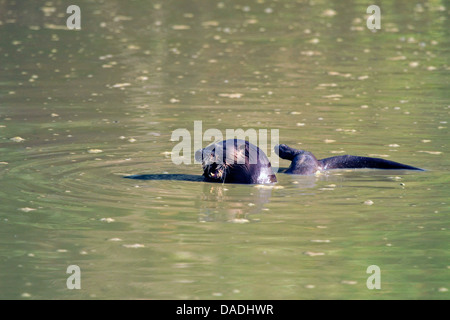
(218, 202)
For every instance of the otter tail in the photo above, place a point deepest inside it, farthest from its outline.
(285, 152)
(355, 162)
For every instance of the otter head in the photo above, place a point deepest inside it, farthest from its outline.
(235, 161)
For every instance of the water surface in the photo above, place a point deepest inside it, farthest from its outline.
(86, 108)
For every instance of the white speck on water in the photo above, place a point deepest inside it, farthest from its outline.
(350, 282)
(180, 27)
(95, 151)
(313, 254)
(329, 13)
(134, 246)
(108, 220)
(121, 85)
(442, 289)
(239, 221)
(368, 202)
(26, 209)
(25, 295)
(115, 239)
(231, 95)
(431, 152)
(17, 139)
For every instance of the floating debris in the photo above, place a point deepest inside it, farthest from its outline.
(231, 95)
(240, 221)
(313, 254)
(334, 73)
(108, 220)
(121, 85)
(115, 239)
(431, 152)
(368, 202)
(26, 209)
(134, 246)
(211, 23)
(397, 58)
(181, 27)
(17, 139)
(333, 96)
(321, 241)
(55, 27)
(350, 282)
(95, 151)
(328, 85)
(329, 13)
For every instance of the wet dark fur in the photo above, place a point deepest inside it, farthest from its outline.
(305, 163)
(243, 163)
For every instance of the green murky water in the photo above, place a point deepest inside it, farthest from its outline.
(85, 108)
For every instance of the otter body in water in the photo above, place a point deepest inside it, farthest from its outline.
(239, 161)
(305, 163)
(235, 161)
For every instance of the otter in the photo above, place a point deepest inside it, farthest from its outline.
(239, 161)
(305, 163)
(235, 161)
